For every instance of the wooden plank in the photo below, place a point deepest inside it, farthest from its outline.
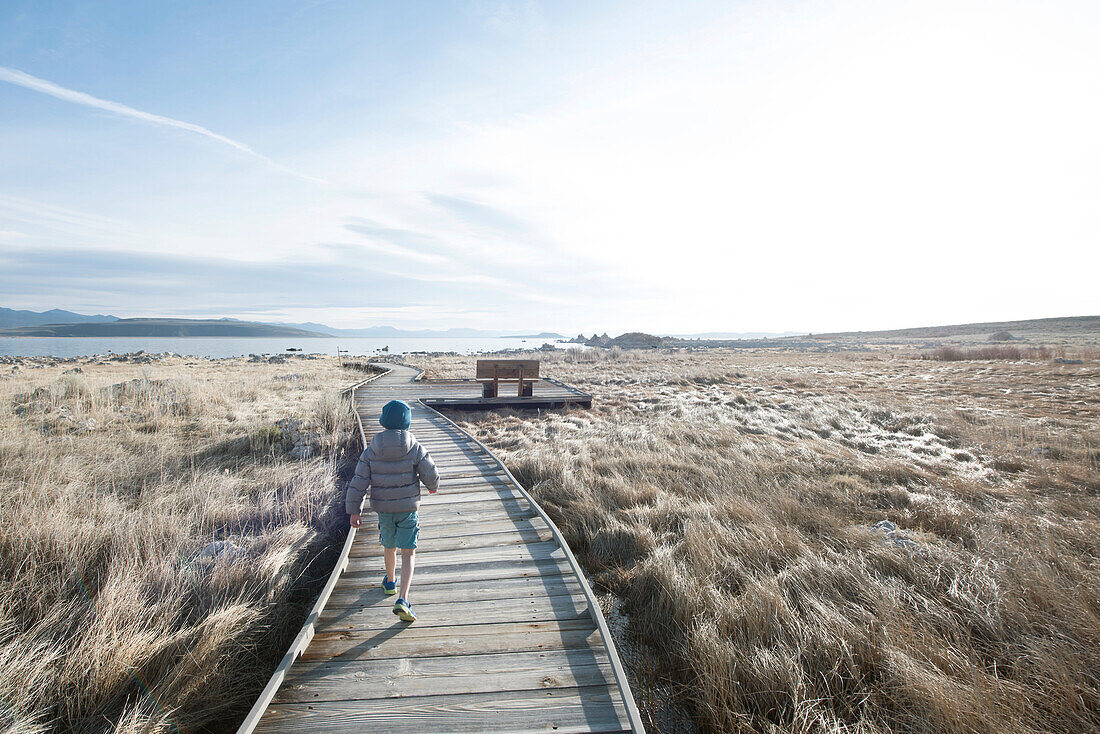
(435, 517)
(444, 459)
(537, 402)
(443, 440)
(371, 570)
(443, 450)
(472, 514)
(347, 594)
(466, 468)
(488, 494)
(472, 509)
(468, 464)
(473, 482)
(375, 613)
(461, 529)
(445, 532)
(403, 640)
(466, 507)
(460, 477)
(444, 447)
(472, 485)
(432, 557)
(511, 671)
(483, 571)
(507, 399)
(561, 710)
(468, 514)
(510, 535)
(452, 502)
(467, 461)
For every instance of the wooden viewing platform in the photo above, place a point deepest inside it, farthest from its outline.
(548, 394)
(509, 637)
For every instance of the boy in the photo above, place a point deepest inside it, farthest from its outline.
(392, 467)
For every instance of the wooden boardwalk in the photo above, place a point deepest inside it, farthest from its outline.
(508, 636)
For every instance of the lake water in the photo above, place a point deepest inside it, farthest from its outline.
(237, 347)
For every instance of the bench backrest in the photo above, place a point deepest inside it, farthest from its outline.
(507, 369)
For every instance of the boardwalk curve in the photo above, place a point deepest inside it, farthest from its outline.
(509, 636)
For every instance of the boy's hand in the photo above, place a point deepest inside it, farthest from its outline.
(356, 521)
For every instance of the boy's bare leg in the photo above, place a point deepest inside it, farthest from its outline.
(391, 563)
(407, 564)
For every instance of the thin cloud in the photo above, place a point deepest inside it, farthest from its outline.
(22, 79)
(481, 215)
(29, 211)
(399, 242)
(447, 278)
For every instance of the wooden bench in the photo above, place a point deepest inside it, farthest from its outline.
(492, 372)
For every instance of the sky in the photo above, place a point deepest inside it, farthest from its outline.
(810, 165)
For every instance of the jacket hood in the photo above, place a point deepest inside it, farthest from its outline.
(391, 445)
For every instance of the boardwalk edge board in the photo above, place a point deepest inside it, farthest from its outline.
(306, 634)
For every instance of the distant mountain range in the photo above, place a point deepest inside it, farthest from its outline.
(10, 318)
(161, 328)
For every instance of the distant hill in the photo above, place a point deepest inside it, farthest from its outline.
(162, 327)
(10, 318)
(736, 334)
(638, 340)
(1061, 326)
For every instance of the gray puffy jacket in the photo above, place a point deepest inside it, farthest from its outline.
(392, 467)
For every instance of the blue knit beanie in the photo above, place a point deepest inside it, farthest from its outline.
(396, 415)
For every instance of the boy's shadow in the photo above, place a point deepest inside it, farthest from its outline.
(352, 654)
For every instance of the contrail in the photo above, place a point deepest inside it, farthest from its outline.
(22, 79)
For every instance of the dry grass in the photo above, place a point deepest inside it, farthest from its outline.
(113, 480)
(956, 354)
(729, 500)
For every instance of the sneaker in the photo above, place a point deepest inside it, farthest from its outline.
(402, 609)
(390, 587)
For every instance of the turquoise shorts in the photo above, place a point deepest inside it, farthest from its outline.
(398, 529)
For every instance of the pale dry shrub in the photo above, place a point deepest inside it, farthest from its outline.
(112, 484)
(730, 501)
(330, 410)
(578, 355)
(957, 354)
